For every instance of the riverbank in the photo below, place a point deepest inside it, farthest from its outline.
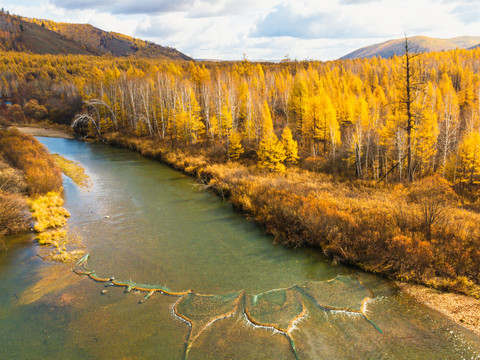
(301, 207)
(375, 227)
(232, 180)
(46, 132)
(31, 180)
(463, 310)
(238, 183)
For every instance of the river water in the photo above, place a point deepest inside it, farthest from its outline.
(143, 221)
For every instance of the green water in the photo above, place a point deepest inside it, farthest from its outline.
(163, 229)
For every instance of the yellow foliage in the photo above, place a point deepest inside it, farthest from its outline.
(267, 123)
(51, 237)
(271, 153)
(290, 146)
(48, 212)
(469, 152)
(235, 149)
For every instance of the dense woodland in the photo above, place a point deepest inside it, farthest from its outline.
(347, 117)
(393, 148)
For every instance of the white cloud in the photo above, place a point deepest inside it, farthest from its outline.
(268, 29)
(284, 20)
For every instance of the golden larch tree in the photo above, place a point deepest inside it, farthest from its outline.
(469, 153)
(290, 146)
(235, 149)
(271, 153)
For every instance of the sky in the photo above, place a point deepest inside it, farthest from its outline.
(266, 29)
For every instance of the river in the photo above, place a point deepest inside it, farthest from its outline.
(145, 222)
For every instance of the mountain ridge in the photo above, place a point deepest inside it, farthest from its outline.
(419, 43)
(41, 36)
(109, 42)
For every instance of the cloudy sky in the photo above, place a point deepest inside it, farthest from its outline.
(266, 29)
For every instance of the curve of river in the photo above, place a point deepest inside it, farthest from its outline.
(143, 221)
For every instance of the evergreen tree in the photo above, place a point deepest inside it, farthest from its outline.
(470, 158)
(271, 153)
(290, 146)
(235, 149)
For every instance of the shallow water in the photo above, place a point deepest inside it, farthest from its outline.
(163, 229)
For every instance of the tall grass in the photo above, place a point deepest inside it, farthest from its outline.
(25, 167)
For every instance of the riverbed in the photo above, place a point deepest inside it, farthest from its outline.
(145, 222)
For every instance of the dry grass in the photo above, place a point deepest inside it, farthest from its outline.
(11, 180)
(52, 237)
(73, 170)
(41, 174)
(14, 216)
(50, 218)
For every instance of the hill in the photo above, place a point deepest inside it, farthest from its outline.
(49, 37)
(102, 42)
(419, 43)
(19, 35)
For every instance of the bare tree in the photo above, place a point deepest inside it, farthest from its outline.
(412, 84)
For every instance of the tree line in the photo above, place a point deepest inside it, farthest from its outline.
(353, 117)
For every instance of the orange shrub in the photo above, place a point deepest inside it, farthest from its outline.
(14, 216)
(27, 154)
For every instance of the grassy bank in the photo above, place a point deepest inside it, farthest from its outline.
(26, 168)
(417, 232)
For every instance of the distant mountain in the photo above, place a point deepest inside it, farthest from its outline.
(49, 37)
(417, 43)
(474, 47)
(19, 35)
(102, 42)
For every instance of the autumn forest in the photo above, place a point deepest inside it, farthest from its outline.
(376, 161)
(214, 179)
(347, 117)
